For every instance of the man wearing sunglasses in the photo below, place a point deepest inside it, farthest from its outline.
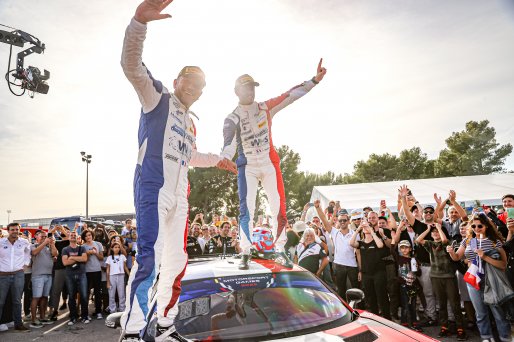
(346, 258)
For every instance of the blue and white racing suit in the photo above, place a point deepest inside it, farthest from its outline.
(166, 150)
(248, 129)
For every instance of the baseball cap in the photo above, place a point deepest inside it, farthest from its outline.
(244, 80)
(429, 206)
(299, 226)
(343, 212)
(356, 214)
(404, 243)
(193, 71)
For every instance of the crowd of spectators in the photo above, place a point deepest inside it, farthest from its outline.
(416, 265)
(57, 269)
(413, 265)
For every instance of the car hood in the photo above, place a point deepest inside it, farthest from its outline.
(367, 327)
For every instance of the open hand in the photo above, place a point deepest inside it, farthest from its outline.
(438, 199)
(150, 10)
(403, 191)
(321, 71)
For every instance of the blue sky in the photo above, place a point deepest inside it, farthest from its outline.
(400, 74)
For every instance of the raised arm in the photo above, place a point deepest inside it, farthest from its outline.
(438, 211)
(353, 241)
(453, 200)
(420, 240)
(148, 90)
(403, 191)
(229, 136)
(323, 218)
(278, 103)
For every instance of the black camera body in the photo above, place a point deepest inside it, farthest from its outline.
(34, 81)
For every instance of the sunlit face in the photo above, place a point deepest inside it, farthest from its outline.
(316, 221)
(40, 237)
(428, 214)
(212, 231)
(453, 214)
(343, 221)
(196, 230)
(246, 94)
(479, 228)
(309, 237)
(188, 89)
(463, 230)
(508, 202)
(14, 232)
(373, 219)
(233, 233)
(382, 224)
(225, 229)
(73, 237)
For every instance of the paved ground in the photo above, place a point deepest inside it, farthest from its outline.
(97, 331)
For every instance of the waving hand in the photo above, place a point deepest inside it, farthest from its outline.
(150, 10)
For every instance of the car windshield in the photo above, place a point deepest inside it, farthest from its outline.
(257, 306)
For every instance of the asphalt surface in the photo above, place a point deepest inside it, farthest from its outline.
(98, 332)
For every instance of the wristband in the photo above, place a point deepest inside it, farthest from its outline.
(314, 80)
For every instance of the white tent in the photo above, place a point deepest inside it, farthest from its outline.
(487, 189)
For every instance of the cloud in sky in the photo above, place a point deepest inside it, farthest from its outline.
(400, 74)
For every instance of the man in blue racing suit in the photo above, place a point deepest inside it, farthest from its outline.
(166, 150)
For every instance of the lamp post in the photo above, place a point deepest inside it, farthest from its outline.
(9, 216)
(87, 159)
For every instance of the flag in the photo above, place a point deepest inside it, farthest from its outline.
(473, 275)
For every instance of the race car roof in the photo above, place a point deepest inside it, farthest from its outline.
(227, 267)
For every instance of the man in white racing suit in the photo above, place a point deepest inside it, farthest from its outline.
(248, 129)
(166, 150)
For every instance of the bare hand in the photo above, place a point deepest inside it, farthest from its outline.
(449, 249)
(316, 204)
(403, 191)
(510, 223)
(438, 199)
(321, 71)
(452, 196)
(150, 10)
(480, 253)
(227, 165)
(359, 276)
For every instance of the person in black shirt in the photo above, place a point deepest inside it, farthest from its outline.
(421, 254)
(373, 268)
(59, 272)
(221, 243)
(193, 247)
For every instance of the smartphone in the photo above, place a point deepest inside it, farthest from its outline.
(510, 213)
(479, 210)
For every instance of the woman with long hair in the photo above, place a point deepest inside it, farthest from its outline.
(484, 242)
(116, 268)
(95, 256)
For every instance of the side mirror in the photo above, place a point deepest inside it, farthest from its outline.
(354, 296)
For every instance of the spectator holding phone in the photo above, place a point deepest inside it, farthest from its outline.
(43, 252)
(59, 270)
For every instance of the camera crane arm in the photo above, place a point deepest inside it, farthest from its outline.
(31, 78)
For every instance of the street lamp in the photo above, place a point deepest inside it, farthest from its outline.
(87, 159)
(9, 216)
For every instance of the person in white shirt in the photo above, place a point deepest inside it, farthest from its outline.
(14, 255)
(346, 258)
(116, 267)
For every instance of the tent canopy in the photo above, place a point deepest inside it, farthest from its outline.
(487, 189)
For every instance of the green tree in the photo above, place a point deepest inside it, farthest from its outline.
(473, 151)
(413, 164)
(378, 168)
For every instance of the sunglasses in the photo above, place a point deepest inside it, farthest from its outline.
(343, 220)
(428, 212)
(480, 226)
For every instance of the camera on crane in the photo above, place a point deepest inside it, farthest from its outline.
(29, 79)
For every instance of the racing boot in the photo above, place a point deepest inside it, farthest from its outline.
(282, 259)
(168, 334)
(129, 337)
(244, 264)
(113, 320)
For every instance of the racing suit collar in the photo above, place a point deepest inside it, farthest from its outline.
(249, 107)
(183, 108)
